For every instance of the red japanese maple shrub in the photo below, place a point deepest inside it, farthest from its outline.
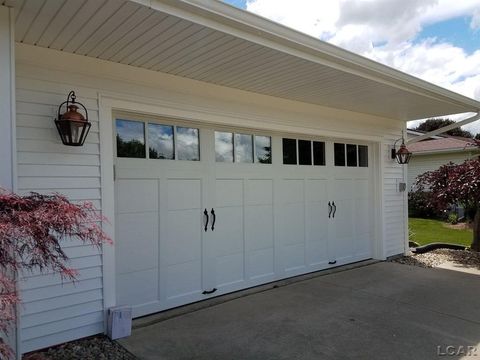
(31, 230)
(453, 184)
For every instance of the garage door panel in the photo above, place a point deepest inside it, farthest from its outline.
(317, 232)
(344, 189)
(362, 218)
(291, 191)
(137, 288)
(229, 269)
(182, 279)
(184, 194)
(228, 192)
(317, 253)
(227, 238)
(362, 189)
(258, 227)
(183, 241)
(291, 224)
(259, 192)
(317, 190)
(293, 257)
(363, 245)
(136, 195)
(136, 243)
(260, 263)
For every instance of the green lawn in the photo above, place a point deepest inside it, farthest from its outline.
(429, 231)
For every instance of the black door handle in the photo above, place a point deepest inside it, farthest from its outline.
(208, 292)
(329, 209)
(332, 262)
(206, 222)
(334, 209)
(214, 218)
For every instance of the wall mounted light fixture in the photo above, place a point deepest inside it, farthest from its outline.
(72, 125)
(402, 155)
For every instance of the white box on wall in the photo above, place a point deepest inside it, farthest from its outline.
(119, 322)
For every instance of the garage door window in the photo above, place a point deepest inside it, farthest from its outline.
(188, 147)
(242, 148)
(161, 142)
(309, 152)
(130, 139)
(223, 146)
(351, 155)
(363, 155)
(319, 153)
(289, 151)
(166, 142)
(263, 149)
(304, 152)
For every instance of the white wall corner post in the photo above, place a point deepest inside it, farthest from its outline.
(7, 123)
(7, 100)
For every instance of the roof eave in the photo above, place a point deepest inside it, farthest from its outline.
(249, 26)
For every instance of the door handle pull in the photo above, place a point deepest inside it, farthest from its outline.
(332, 262)
(334, 209)
(206, 222)
(329, 209)
(208, 292)
(214, 218)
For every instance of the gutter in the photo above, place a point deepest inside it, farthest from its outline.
(446, 151)
(445, 128)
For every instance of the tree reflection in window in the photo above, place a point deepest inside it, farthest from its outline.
(263, 149)
(130, 138)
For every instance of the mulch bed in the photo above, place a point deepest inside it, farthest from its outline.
(92, 348)
(437, 257)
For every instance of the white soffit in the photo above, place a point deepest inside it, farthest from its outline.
(212, 42)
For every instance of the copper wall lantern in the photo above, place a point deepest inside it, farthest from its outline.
(72, 125)
(402, 154)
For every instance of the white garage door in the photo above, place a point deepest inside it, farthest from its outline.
(202, 212)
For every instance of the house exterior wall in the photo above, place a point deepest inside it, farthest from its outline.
(420, 164)
(54, 312)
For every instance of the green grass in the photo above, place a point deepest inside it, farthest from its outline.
(428, 231)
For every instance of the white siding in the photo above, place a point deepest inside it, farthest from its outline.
(420, 164)
(395, 202)
(54, 312)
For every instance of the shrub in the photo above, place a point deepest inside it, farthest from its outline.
(420, 205)
(453, 218)
(31, 230)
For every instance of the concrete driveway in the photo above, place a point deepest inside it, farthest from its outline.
(380, 311)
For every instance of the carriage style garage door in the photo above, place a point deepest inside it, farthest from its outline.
(201, 211)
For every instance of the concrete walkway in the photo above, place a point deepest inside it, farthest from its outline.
(380, 311)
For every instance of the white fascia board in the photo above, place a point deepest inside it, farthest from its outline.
(447, 151)
(222, 17)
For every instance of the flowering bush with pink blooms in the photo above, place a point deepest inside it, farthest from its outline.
(31, 230)
(453, 184)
